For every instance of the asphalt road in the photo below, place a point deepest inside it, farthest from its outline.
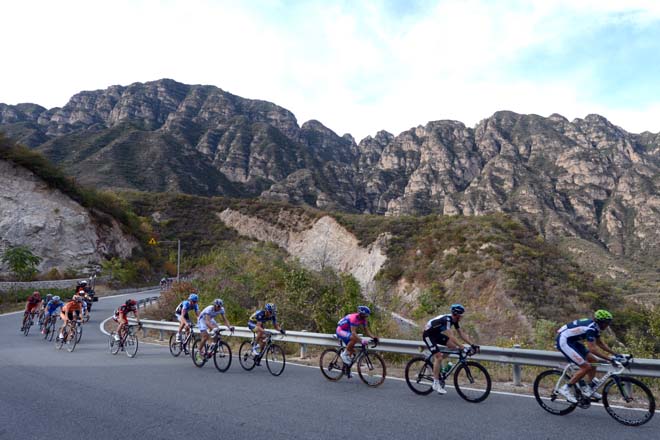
(50, 394)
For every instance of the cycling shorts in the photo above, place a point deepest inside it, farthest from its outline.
(186, 317)
(572, 350)
(434, 337)
(69, 314)
(343, 335)
(201, 324)
(252, 325)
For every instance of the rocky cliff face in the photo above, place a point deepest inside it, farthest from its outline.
(584, 178)
(53, 226)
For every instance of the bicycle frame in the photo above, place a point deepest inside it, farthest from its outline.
(570, 368)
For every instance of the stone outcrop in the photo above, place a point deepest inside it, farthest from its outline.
(324, 243)
(52, 225)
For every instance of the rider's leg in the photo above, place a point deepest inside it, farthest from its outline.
(350, 347)
(261, 340)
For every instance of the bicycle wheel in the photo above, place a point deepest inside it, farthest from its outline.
(131, 345)
(419, 376)
(331, 364)
(628, 401)
(114, 344)
(27, 325)
(79, 331)
(222, 357)
(546, 385)
(175, 346)
(472, 381)
(50, 330)
(59, 342)
(245, 356)
(198, 359)
(371, 369)
(275, 360)
(71, 340)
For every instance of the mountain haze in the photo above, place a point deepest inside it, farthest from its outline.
(585, 178)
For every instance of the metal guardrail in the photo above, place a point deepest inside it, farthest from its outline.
(515, 356)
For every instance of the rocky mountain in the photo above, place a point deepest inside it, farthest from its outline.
(585, 178)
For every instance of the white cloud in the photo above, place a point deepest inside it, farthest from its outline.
(353, 66)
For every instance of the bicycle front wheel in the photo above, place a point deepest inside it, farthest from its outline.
(419, 376)
(628, 401)
(371, 369)
(26, 326)
(78, 333)
(546, 385)
(222, 357)
(275, 360)
(175, 346)
(197, 357)
(472, 381)
(59, 342)
(131, 345)
(331, 364)
(71, 339)
(245, 356)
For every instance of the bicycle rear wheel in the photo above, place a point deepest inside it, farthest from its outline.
(245, 356)
(198, 358)
(371, 369)
(175, 346)
(113, 344)
(419, 376)
(222, 357)
(331, 364)
(546, 385)
(275, 360)
(131, 345)
(472, 381)
(628, 400)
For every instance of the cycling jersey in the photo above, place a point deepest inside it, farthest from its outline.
(125, 310)
(185, 306)
(34, 299)
(351, 320)
(260, 316)
(72, 306)
(441, 323)
(570, 335)
(52, 306)
(210, 312)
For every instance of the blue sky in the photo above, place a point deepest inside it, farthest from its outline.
(357, 66)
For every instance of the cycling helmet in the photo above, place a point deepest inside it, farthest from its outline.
(131, 302)
(218, 302)
(193, 297)
(457, 309)
(364, 310)
(272, 308)
(56, 298)
(50, 295)
(603, 315)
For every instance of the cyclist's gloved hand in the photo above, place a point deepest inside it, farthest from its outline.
(376, 340)
(231, 329)
(282, 331)
(476, 348)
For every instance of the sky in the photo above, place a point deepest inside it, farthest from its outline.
(358, 66)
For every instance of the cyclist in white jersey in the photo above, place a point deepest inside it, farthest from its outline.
(206, 320)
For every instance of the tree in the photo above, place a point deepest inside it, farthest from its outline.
(22, 262)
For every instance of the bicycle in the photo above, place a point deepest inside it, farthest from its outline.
(176, 347)
(273, 353)
(471, 379)
(28, 321)
(49, 327)
(69, 336)
(371, 367)
(128, 342)
(626, 399)
(217, 349)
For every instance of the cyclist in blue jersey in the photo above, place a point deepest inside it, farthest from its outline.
(569, 339)
(182, 310)
(438, 332)
(256, 324)
(50, 310)
(206, 321)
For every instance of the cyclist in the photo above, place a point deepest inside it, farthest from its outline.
(437, 331)
(50, 309)
(44, 302)
(181, 313)
(71, 308)
(347, 331)
(121, 316)
(206, 321)
(31, 306)
(568, 342)
(256, 324)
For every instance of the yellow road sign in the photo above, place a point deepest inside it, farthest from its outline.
(153, 241)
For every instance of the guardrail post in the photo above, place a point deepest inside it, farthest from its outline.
(303, 350)
(160, 332)
(517, 371)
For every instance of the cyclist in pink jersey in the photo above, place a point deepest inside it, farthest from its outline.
(347, 331)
